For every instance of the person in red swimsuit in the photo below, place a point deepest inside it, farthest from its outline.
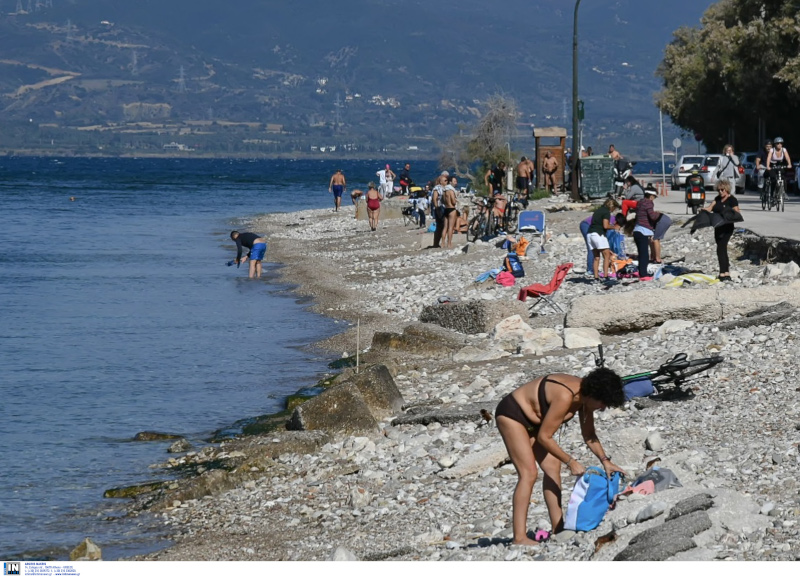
(529, 416)
(374, 199)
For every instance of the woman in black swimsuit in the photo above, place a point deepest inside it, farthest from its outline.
(529, 417)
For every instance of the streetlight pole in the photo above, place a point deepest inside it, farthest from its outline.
(575, 138)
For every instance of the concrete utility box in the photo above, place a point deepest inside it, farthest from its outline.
(556, 150)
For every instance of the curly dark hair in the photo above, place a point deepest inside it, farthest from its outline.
(603, 385)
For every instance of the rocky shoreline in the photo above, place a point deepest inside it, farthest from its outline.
(429, 479)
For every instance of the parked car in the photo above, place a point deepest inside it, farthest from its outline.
(748, 160)
(684, 169)
(709, 172)
(793, 185)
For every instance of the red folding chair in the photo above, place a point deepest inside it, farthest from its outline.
(543, 291)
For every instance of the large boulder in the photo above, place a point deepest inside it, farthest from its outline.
(379, 391)
(340, 409)
(616, 313)
(509, 333)
(581, 337)
(473, 317)
(420, 339)
(541, 341)
(355, 405)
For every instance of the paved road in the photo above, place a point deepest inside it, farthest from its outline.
(766, 223)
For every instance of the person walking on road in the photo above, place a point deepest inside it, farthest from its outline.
(728, 168)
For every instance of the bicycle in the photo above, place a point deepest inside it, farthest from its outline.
(675, 372)
(484, 223)
(511, 214)
(779, 192)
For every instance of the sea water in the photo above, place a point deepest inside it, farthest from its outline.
(117, 315)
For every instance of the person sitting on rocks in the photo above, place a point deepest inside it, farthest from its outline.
(529, 417)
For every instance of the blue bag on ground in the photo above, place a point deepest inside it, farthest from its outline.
(638, 388)
(513, 265)
(592, 496)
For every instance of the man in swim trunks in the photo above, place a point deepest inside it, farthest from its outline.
(523, 178)
(528, 419)
(257, 246)
(549, 167)
(337, 186)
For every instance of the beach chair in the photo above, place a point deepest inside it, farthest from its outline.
(533, 223)
(543, 292)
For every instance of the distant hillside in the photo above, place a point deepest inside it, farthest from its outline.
(362, 74)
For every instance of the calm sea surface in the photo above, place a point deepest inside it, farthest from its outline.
(118, 315)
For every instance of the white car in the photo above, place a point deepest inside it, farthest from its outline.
(748, 160)
(709, 173)
(684, 169)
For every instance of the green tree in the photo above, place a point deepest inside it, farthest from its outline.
(484, 144)
(742, 64)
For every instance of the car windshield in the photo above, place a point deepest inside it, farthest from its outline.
(712, 161)
(692, 160)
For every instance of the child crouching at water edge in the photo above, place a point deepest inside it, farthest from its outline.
(527, 419)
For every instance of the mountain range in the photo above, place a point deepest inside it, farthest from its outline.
(275, 77)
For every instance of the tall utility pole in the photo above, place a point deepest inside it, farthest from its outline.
(575, 129)
(134, 63)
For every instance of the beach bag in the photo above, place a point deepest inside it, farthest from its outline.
(662, 479)
(638, 388)
(505, 278)
(522, 246)
(592, 496)
(513, 265)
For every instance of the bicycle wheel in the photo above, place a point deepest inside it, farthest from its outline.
(477, 228)
(678, 371)
(781, 198)
(510, 219)
(763, 199)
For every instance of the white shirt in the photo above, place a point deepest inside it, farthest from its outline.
(382, 175)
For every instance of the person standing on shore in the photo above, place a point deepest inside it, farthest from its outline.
(549, 167)
(374, 198)
(386, 177)
(596, 237)
(723, 203)
(528, 419)
(337, 186)
(646, 216)
(405, 179)
(450, 216)
(257, 245)
(437, 208)
(523, 178)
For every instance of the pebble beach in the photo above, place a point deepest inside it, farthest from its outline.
(440, 489)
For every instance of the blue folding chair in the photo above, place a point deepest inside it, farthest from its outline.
(533, 222)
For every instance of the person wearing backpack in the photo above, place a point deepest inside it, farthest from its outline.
(528, 419)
